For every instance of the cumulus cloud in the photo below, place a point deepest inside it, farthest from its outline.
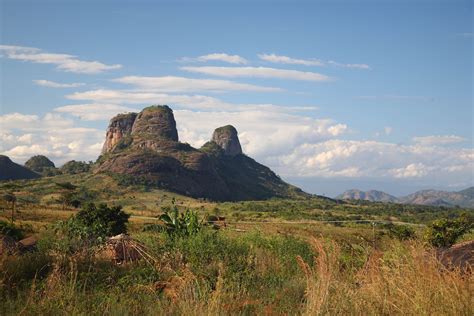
(94, 111)
(22, 136)
(63, 62)
(262, 133)
(371, 159)
(279, 59)
(182, 84)
(413, 170)
(438, 139)
(26, 122)
(258, 72)
(52, 84)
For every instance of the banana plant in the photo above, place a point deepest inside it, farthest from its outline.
(184, 224)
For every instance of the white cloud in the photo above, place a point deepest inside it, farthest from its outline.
(413, 170)
(258, 72)
(194, 102)
(52, 84)
(262, 133)
(378, 160)
(438, 139)
(64, 62)
(279, 59)
(22, 136)
(353, 66)
(388, 130)
(181, 84)
(232, 59)
(94, 111)
(133, 97)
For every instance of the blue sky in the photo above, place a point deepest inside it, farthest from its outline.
(332, 95)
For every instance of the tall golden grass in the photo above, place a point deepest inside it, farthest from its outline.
(405, 280)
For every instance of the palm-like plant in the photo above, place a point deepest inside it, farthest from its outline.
(184, 224)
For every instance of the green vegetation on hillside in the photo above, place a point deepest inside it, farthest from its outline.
(280, 256)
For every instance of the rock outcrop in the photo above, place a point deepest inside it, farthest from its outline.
(12, 171)
(147, 151)
(227, 138)
(120, 126)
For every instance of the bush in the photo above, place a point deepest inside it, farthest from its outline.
(10, 230)
(401, 232)
(97, 222)
(75, 167)
(445, 232)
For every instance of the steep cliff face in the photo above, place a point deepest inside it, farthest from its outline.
(227, 138)
(147, 150)
(119, 127)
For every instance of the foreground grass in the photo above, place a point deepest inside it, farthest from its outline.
(217, 273)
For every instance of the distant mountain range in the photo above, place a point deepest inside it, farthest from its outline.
(464, 198)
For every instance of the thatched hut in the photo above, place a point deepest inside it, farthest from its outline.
(124, 249)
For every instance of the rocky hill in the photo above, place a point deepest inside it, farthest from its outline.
(464, 198)
(39, 163)
(371, 195)
(12, 171)
(145, 147)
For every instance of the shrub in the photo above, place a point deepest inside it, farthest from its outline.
(10, 230)
(97, 222)
(401, 232)
(75, 167)
(445, 232)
